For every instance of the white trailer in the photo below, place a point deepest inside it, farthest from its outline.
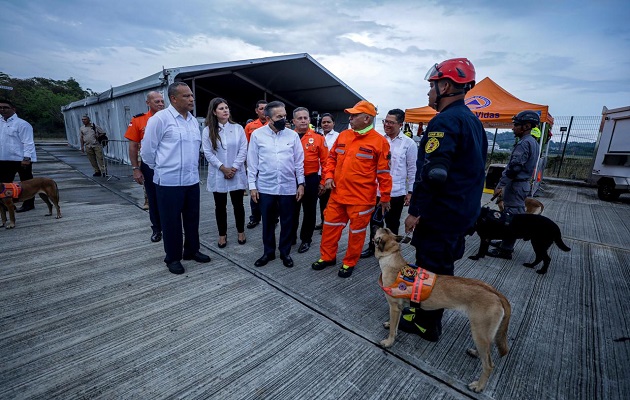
(611, 167)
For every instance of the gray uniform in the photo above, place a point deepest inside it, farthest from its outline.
(516, 179)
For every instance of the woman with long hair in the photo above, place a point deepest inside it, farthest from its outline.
(225, 147)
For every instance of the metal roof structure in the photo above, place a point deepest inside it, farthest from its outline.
(297, 80)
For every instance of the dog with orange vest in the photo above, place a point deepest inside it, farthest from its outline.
(11, 193)
(487, 309)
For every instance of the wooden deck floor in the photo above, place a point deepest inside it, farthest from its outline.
(88, 310)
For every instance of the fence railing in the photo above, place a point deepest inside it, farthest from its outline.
(570, 151)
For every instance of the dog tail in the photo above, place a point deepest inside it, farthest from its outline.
(560, 243)
(501, 338)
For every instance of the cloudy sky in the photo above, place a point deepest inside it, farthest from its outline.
(572, 55)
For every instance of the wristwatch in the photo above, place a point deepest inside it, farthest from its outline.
(134, 168)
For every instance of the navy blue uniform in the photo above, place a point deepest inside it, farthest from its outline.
(446, 196)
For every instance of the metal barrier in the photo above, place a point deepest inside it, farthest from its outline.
(116, 155)
(117, 164)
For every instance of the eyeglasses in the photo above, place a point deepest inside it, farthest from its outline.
(390, 123)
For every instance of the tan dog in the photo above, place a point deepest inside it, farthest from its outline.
(47, 189)
(487, 309)
(532, 206)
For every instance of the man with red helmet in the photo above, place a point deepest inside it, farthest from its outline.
(449, 181)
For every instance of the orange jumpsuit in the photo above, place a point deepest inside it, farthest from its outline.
(355, 163)
(252, 126)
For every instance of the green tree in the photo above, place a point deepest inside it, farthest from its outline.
(39, 101)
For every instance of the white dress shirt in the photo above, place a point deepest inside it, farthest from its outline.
(16, 139)
(231, 152)
(331, 138)
(170, 147)
(275, 161)
(403, 164)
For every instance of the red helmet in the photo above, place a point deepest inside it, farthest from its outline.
(459, 70)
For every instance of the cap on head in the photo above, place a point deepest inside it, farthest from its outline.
(527, 116)
(362, 107)
(459, 70)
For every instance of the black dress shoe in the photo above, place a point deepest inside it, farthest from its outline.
(97, 173)
(252, 224)
(156, 237)
(176, 268)
(199, 257)
(496, 243)
(287, 261)
(367, 253)
(264, 260)
(304, 247)
(24, 208)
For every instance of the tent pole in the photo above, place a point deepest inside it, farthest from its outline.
(494, 140)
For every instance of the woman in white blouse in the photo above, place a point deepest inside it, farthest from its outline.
(225, 147)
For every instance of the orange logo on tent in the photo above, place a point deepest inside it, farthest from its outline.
(477, 102)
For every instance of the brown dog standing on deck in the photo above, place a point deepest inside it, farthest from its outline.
(487, 309)
(46, 187)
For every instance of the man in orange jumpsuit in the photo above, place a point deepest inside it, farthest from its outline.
(254, 219)
(141, 172)
(315, 154)
(357, 164)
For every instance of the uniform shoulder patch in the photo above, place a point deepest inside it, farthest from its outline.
(138, 115)
(436, 134)
(432, 145)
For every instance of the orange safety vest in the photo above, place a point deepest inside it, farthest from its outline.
(411, 283)
(11, 190)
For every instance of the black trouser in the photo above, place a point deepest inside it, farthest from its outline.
(255, 217)
(271, 206)
(437, 252)
(149, 187)
(8, 169)
(323, 202)
(220, 210)
(391, 219)
(309, 204)
(179, 206)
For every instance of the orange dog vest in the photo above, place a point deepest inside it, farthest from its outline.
(11, 190)
(411, 283)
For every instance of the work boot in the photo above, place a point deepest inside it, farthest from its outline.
(426, 324)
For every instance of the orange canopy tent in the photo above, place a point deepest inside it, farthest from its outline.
(492, 104)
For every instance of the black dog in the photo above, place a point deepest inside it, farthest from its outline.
(542, 231)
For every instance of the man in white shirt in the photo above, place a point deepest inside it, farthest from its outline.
(170, 147)
(275, 173)
(330, 135)
(403, 171)
(17, 149)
